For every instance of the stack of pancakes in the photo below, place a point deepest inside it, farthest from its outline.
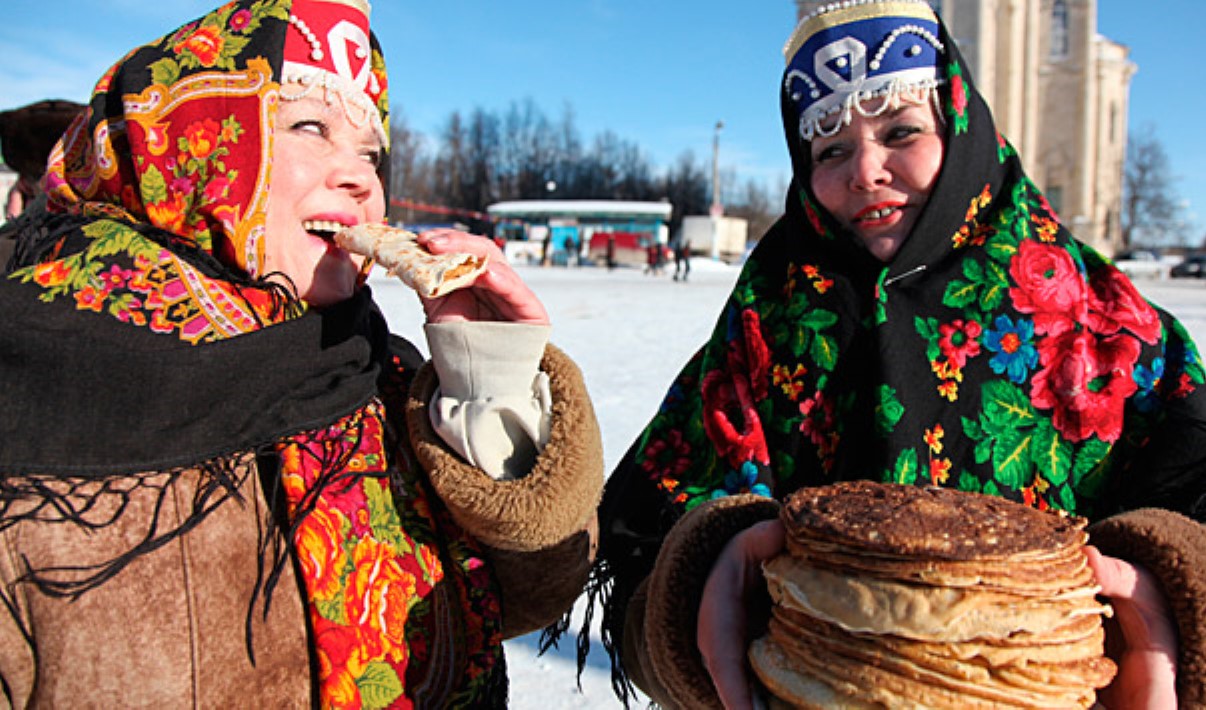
(900, 596)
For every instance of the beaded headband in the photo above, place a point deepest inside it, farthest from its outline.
(328, 47)
(864, 55)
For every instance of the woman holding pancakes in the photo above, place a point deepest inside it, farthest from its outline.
(918, 315)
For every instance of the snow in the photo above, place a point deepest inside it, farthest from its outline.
(630, 333)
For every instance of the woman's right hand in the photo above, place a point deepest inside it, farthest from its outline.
(497, 295)
(723, 627)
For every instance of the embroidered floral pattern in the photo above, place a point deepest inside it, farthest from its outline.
(960, 97)
(157, 289)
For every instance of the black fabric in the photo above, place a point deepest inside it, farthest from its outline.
(87, 396)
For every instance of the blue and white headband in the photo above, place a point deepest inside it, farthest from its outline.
(864, 55)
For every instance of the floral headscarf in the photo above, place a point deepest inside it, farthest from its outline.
(995, 353)
(176, 145)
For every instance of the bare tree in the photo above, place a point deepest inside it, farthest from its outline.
(465, 166)
(1150, 207)
(482, 158)
(528, 153)
(409, 165)
(756, 204)
(687, 186)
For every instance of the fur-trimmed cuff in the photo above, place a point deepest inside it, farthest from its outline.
(555, 500)
(674, 593)
(1173, 548)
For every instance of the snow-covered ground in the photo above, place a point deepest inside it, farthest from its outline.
(630, 333)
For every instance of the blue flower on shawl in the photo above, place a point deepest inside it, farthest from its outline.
(1146, 399)
(1013, 344)
(743, 481)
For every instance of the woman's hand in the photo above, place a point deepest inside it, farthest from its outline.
(724, 625)
(1146, 653)
(497, 295)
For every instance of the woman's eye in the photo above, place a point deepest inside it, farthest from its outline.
(373, 157)
(898, 133)
(314, 126)
(827, 153)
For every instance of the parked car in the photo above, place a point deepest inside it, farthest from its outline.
(1142, 264)
(1194, 266)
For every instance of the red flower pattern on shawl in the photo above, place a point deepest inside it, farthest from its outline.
(1115, 304)
(757, 359)
(729, 395)
(667, 457)
(960, 340)
(319, 534)
(338, 663)
(958, 95)
(1049, 287)
(205, 44)
(379, 594)
(1086, 381)
(730, 419)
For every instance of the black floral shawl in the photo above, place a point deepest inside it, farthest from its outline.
(995, 353)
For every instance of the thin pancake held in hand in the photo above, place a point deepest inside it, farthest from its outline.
(432, 275)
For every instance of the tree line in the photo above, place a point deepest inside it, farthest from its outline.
(482, 157)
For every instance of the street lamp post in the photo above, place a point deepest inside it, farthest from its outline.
(717, 209)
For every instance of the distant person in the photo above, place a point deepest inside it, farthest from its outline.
(655, 256)
(611, 252)
(571, 250)
(918, 315)
(27, 135)
(682, 259)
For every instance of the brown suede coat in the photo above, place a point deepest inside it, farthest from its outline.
(660, 649)
(169, 629)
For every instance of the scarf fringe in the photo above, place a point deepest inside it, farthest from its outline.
(333, 462)
(59, 500)
(599, 588)
(221, 480)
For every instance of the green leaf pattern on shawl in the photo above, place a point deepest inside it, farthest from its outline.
(1008, 439)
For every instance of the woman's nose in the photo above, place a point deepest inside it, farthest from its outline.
(868, 169)
(350, 171)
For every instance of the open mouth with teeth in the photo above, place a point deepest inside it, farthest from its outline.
(323, 229)
(875, 214)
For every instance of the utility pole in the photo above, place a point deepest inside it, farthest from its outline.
(717, 210)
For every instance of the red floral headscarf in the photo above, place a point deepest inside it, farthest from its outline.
(178, 134)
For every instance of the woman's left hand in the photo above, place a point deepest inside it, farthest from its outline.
(1147, 656)
(497, 295)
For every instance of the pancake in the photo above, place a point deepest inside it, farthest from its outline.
(908, 597)
(398, 250)
(936, 523)
(929, 613)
